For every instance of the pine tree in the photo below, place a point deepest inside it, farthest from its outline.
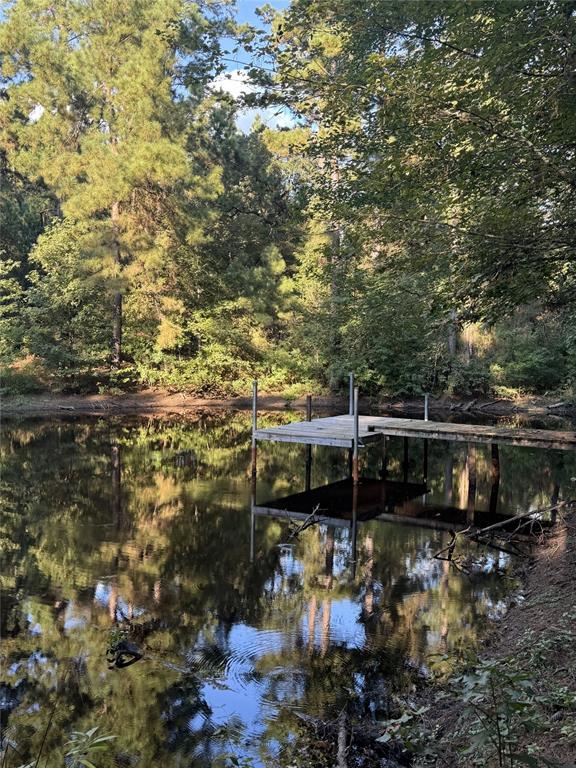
(103, 103)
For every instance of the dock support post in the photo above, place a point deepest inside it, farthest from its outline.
(471, 470)
(308, 447)
(254, 423)
(384, 465)
(351, 394)
(425, 464)
(252, 518)
(405, 461)
(449, 479)
(351, 413)
(355, 473)
(354, 530)
(426, 398)
(495, 478)
(495, 468)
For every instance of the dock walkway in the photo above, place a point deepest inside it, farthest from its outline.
(338, 431)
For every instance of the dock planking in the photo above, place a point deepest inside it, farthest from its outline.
(338, 431)
(330, 430)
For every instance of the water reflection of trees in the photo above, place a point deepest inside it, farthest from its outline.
(147, 521)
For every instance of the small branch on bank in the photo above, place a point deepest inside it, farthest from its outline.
(342, 750)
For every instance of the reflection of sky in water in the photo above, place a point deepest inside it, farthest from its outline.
(102, 595)
(289, 565)
(34, 628)
(37, 658)
(241, 695)
(344, 629)
(238, 696)
(72, 621)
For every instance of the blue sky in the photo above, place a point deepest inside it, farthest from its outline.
(235, 82)
(246, 9)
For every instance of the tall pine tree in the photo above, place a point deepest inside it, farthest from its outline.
(103, 102)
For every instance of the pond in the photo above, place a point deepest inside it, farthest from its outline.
(147, 523)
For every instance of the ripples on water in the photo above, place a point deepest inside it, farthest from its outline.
(147, 523)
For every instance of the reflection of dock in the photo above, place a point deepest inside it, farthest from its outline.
(336, 500)
(342, 503)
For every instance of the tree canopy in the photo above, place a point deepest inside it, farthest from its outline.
(414, 215)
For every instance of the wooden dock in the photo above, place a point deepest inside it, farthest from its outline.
(354, 431)
(338, 431)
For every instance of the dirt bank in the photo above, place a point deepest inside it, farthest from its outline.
(532, 652)
(150, 402)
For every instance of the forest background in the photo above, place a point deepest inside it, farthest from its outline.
(409, 214)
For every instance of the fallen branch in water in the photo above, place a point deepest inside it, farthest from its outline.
(312, 519)
(343, 744)
(506, 541)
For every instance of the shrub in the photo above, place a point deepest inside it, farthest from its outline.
(471, 378)
(24, 377)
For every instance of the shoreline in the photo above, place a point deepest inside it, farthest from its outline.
(535, 641)
(452, 721)
(151, 402)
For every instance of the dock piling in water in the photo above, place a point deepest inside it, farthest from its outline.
(405, 461)
(355, 474)
(471, 472)
(351, 394)
(308, 481)
(254, 423)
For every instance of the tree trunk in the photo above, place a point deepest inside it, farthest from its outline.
(117, 331)
(335, 234)
(453, 333)
(117, 322)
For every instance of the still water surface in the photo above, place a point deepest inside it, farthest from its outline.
(148, 522)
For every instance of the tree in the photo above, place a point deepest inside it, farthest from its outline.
(453, 127)
(25, 208)
(443, 138)
(103, 104)
(236, 295)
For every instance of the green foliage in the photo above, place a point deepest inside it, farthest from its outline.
(409, 729)
(64, 320)
(472, 377)
(82, 749)
(440, 154)
(530, 352)
(504, 702)
(83, 746)
(22, 380)
(503, 705)
(11, 295)
(111, 136)
(427, 182)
